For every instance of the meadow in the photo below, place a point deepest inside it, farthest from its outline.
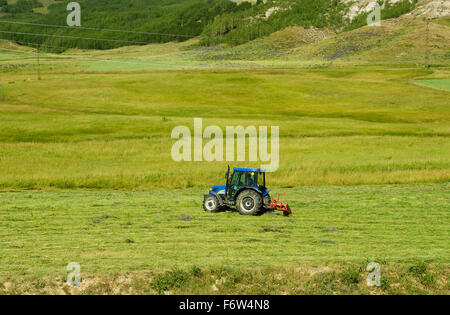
(86, 173)
(337, 126)
(160, 240)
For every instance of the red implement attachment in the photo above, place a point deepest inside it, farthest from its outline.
(280, 206)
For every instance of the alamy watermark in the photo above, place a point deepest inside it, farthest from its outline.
(374, 18)
(189, 146)
(74, 17)
(374, 277)
(74, 276)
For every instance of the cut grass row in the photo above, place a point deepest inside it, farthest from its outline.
(168, 227)
(146, 232)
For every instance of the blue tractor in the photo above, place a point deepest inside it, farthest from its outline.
(246, 190)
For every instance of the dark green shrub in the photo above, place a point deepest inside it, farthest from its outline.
(169, 280)
(196, 271)
(350, 276)
(419, 269)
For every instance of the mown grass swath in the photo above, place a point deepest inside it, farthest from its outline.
(152, 239)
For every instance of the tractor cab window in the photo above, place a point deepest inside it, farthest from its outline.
(237, 179)
(251, 179)
(241, 179)
(261, 179)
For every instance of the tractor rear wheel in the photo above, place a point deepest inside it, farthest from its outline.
(249, 202)
(211, 204)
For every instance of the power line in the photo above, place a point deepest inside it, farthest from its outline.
(221, 38)
(78, 57)
(123, 31)
(87, 38)
(215, 49)
(76, 37)
(72, 57)
(98, 29)
(246, 66)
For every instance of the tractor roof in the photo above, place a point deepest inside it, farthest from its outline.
(240, 169)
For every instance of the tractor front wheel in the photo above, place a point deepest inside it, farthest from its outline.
(211, 204)
(249, 202)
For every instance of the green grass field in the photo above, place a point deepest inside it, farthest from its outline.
(337, 126)
(86, 173)
(113, 233)
(441, 84)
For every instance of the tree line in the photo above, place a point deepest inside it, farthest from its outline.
(155, 21)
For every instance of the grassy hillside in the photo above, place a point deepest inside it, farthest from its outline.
(216, 21)
(397, 41)
(401, 41)
(271, 16)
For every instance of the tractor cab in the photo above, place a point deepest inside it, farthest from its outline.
(246, 178)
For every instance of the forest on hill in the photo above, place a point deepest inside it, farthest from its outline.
(109, 24)
(153, 21)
